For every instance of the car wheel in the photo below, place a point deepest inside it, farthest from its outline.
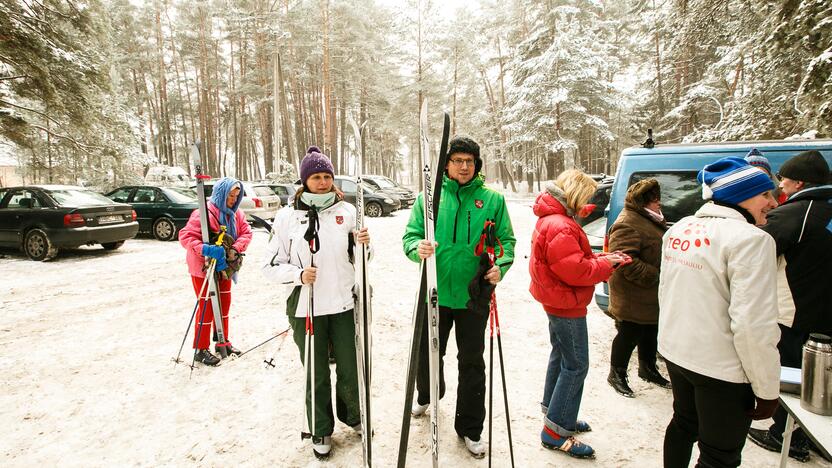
(373, 210)
(38, 247)
(164, 229)
(112, 245)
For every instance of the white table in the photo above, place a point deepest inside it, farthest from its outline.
(817, 427)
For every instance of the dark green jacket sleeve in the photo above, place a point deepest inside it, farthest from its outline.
(415, 230)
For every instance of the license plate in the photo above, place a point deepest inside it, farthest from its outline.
(110, 219)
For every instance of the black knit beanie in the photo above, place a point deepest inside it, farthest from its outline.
(808, 166)
(461, 144)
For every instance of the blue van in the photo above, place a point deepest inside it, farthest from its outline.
(676, 166)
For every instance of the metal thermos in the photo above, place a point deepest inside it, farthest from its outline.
(816, 385)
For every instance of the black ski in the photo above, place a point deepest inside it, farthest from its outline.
(420, 307)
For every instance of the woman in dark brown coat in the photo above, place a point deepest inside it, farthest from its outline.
(634, 288)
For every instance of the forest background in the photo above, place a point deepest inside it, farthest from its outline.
(98, 91)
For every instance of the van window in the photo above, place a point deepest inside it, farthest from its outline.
(681, 193)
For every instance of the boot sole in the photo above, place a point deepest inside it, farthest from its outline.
(555, 448)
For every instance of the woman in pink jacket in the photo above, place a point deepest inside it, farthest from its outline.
(564, 272)
(223, 210)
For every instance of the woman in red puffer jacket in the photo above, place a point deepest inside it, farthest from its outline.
(564, 272)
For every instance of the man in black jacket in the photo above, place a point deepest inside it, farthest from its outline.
(802, 230)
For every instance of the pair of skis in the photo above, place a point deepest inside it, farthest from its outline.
(210, 282)
(362, 294)
(427, 301)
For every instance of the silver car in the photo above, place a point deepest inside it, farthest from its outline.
(258, 200)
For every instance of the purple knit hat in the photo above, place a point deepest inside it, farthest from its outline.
(314, 162)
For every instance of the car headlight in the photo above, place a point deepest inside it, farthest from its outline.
(389, 201)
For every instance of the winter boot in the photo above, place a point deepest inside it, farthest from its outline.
(475, 447)
(569, 445)
(321, 447)
(204, 356)
(649, 373)
(229, 349)
(418, 410)
(764, 439)
(618, 380)
(582, 426)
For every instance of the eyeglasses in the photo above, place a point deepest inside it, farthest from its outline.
(462, 162)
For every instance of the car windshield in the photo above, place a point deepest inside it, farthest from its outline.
(79, 197)
(681, 193)
(263, 191)
(384, 182)
(181, 195)
(596, 228)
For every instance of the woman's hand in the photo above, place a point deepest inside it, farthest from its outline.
(309, 275)
(362, 236)
(616, 259)
(426, 249)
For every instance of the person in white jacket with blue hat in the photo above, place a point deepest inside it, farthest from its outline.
(300, 257)
(718, 317)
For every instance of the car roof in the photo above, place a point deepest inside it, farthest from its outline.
(54, 187)
(731, 146)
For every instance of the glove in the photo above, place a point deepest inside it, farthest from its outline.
(214, 251)
(480, 289)
(221, 264)
(763, 409)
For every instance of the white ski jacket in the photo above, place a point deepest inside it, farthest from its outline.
(287, 254)
(718, 299)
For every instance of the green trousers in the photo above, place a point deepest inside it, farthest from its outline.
(338, 330)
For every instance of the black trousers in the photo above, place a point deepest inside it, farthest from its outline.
(791, 355)
(710, 411)
(470, 392)
(630, 335)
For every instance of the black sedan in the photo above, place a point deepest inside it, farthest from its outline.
(162, 211)
(376, 203)
(40, 219)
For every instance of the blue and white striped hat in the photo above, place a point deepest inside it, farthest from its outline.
(732, 180)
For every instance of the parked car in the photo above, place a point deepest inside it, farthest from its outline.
(285, 191)
(595, 232)
(375, 203)
(676, 167)
(601, 198)
(259, 200)
(41, 219)
(162, 211)
(406, 196)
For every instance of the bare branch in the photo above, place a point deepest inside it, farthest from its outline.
(13, 77)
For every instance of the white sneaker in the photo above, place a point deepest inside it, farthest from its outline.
(476, 447)
(321, 447)
(418, 410)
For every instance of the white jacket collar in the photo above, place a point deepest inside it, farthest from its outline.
(712, 210)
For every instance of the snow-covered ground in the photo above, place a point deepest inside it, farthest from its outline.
(87, 341)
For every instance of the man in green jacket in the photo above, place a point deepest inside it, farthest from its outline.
(465, 205)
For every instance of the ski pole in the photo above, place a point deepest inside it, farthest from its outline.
(270, 362)
(211, 266)
(311, 236)
(490, 242)
(261, 344)
(193, 314)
